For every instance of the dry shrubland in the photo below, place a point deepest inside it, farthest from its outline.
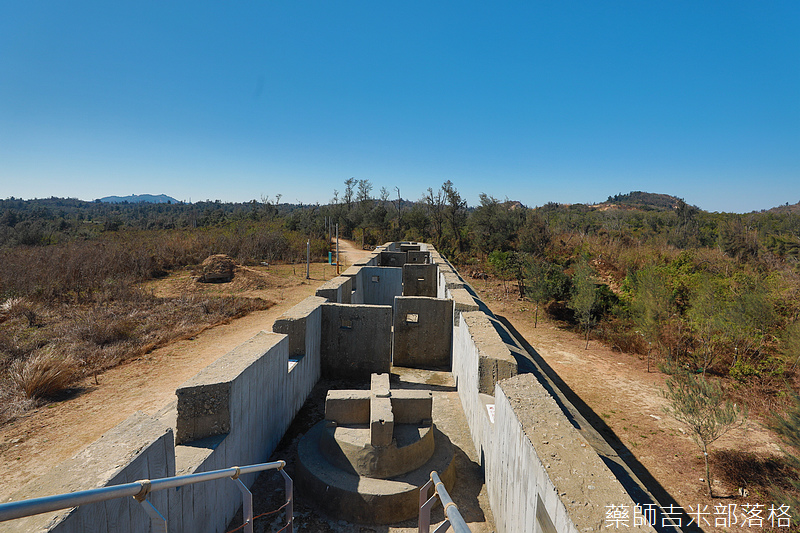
(72, 310)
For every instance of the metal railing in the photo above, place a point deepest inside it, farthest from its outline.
(139, 490)
(452, 514)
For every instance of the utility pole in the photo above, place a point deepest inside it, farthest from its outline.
(308, 259)
(337, 249)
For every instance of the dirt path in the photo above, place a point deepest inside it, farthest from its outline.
(349, 253)
(33, 443)
(42, 438)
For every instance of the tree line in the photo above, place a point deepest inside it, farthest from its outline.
(716, 292)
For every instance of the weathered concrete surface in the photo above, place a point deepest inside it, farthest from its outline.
(496, 361)
(418, 257)
(564, 477)
(262, 406)
(352, 273)
(378, 285)
(420, 280)
(294, 323)
(381, 419)
(463, 302)
(356, 340)
(337, 290)
(409, 247)
(138, 448)
(362, 499)
(422, 332)
(392, 259)
(204, 407)
(344, 448)
(303, 326)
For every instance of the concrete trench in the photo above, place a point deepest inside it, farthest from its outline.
(520, 463)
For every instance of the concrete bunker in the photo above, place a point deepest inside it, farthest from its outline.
(236, 410)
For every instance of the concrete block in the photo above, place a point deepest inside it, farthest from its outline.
(352, 273)
(422, 332)
(411, 406)
(293, 323)
(204, 401)
(381, 423)
(336, 290)
(495, 360)
(356, 340)
(392, 259)
(420, 280)
(410, 247)
(379, 385)
(347, 406)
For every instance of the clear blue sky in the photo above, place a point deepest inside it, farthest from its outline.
(534, 101)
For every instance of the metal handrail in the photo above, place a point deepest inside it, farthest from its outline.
(452, 514)
(142, 488)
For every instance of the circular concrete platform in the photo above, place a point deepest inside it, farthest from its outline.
(346, 495)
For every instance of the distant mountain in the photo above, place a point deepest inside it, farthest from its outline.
(786, 208)
(639, 199)
(140, 198)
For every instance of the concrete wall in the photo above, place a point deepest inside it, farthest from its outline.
(540, 466)
(541, 474)
(418, 257)
(420, 280)
(356, 340)
(378, 285)
(422, 332)
(261, 410)
(392, 259)
(337, 290)
(302, 324)
(234, 412)
(138, 448)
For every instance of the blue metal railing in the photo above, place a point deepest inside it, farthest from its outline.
(139, 490)
(452, 514)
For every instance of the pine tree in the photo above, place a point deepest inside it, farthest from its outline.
(700, 404)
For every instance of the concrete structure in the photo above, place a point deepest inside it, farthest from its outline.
(378, 285)
(544, 469)
(373, 452)
(418, 257)
(392, 259)
(422, 332)
(337, 290)
(356, 340)
(420, 280)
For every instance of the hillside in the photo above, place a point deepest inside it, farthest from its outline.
(793, 209)
(140, 198)
(645, 200)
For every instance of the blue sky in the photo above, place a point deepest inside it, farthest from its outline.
(534, 101)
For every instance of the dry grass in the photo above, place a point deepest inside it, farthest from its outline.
(44, 373)
(72, 342)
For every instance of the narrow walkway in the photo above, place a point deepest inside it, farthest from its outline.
(469, 492)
